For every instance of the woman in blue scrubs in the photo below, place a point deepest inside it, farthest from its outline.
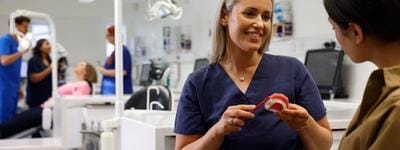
(215, 108)
(10, 58)
(39, 87)
(108, 70)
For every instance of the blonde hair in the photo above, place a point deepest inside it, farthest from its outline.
(91, 74)
(219, 33)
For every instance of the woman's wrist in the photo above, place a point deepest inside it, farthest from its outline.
(310, 125)
(102, 70)
(217, 131)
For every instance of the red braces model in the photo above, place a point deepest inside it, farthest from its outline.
(275, 103)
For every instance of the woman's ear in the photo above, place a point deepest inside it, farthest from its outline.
(224, 18)
(356, 33)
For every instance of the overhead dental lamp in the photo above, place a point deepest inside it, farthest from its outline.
(163, 9)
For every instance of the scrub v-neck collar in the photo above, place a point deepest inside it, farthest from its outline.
(248, 91)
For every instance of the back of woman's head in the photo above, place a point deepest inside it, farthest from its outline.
(377, 18)
(111, 30)
(36, 50)
(219, 33)
(91, 74)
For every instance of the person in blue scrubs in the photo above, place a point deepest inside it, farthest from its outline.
(215, 110)
(108, 70)
(10, 58)
(39, 86)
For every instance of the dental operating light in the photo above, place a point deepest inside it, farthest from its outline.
(163, 9)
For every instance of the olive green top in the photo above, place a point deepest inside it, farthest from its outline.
(376, 124)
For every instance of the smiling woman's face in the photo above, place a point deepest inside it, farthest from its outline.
(249, 23)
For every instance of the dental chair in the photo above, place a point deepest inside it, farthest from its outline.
(39, 121)
(156, 95)
(24, 125)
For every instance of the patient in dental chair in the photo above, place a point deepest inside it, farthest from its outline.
(85, 76)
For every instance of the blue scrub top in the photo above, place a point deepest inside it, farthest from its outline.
(43, 87)
(108, 83)
(9, 79)
(209, 91)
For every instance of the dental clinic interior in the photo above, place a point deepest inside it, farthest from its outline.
(164, 74)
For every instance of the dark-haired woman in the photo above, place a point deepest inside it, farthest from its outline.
(370, 31)
(38, 89)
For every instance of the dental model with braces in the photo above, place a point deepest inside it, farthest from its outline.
(275, 103)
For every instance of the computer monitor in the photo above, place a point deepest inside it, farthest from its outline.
(144, 74)
(325, 66)
(200, 62)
